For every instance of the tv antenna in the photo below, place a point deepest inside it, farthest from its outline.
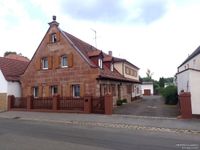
(95, 36)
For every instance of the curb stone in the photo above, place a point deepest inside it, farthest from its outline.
(115, 125)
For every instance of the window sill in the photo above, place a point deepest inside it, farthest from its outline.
(45, 68)
(64, 66)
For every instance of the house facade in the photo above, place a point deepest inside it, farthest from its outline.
(69, 67)
(10, 71)
(188, 79)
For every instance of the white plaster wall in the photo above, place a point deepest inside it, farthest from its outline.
(135, 93)
(147, 86)
(194, 63)
(130, 76)
(3, 83)
(195, 91)
(183, 82)
(14, 88)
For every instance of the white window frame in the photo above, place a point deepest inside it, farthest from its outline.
(53, 87)
(74, 90)
(62, 61)
(100, 63)
(35, 91)
(112, 67)
(53, 38)
(44, 66)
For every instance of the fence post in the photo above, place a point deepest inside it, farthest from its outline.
(87, 104)
(55, 102)
(10, 101)
(108, 104)
(29, 103)
(185, 105)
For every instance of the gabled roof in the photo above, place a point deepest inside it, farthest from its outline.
(124, 60)
(195, 53)
(12, 69)
(87, 51)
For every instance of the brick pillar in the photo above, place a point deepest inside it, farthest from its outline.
(185, 105)
(55, 102)
(108, 103)
(87, 104)
(11, 99)
(29, 103)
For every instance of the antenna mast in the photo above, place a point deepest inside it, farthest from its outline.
(95, 36)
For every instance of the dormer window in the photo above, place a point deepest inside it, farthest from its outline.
(64, 61)
(45, 63)
(53, 38)
(100, 63)
(112, 67)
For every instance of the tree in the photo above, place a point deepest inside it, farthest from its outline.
(162, 82)
(149, 74)
(9, 52)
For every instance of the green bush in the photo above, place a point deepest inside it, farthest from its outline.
(124, 101)
(119, 102)
(170, 95)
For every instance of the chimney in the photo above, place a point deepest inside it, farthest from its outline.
(110, 53)
(54, 22)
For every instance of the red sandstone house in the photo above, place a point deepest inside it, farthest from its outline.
(11, 67)
(69, 67)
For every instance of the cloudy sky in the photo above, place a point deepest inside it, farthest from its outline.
(152, 34)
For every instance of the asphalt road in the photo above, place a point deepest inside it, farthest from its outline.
(149, 106)
(34, 135)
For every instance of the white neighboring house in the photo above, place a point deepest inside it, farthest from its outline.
(10, 71)
(188, 79)
(147, 88)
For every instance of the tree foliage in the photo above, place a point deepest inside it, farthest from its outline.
(9, 52)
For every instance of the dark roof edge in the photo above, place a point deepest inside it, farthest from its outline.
(195, 53)
(124, 60)
(116, 79)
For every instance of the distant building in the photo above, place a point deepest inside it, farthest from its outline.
(147, 88)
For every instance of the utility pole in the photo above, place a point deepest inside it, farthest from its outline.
(95, 36)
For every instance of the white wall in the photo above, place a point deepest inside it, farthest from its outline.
(147, 86)
(14, 88)
(3, 83)
(183, 82)
(136, 92)
(194, 63)
(195, 91)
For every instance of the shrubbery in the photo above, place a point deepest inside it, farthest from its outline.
(120, 102)
(170, 95)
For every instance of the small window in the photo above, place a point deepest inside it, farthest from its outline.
(64, 61)
(100, 63)
(45, 63)
(53, 38)
(35, 91)
(54, 89)
(112, 67)
(76, 90)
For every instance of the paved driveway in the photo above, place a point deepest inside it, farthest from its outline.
(148, 106)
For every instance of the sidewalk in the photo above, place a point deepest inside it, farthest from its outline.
(115, 121)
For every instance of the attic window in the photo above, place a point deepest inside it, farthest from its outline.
(45, 63)
(53, 38)
(112, 67)
(64, 61)
(100, 63)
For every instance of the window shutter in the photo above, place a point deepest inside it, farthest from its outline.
(38, 64)
(50, 62)
(40, 91)
(56, 63)
(64, 90)
(82, 90)
(70, 59)
(46, 91)
(29, 91)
